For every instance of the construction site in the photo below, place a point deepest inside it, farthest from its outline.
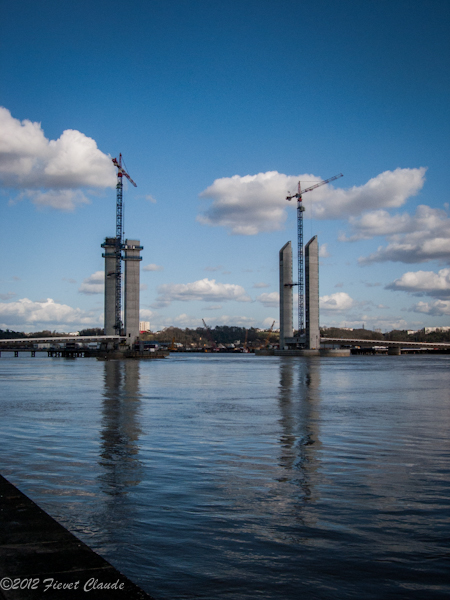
(118, 250)
(123, 336)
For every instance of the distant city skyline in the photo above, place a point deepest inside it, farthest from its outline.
(219, 109)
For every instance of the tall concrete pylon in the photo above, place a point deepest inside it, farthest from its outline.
(109, 255)
(132, 258)
(131, 255)
(286, 303)
(312, 340)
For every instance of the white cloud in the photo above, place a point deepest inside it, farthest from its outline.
(424, 282)
(269, 300)
(436, 309)
(94, 284)
(204, 289)
(29, 161)
(46, 312)
(247, 205)
(337, 302)
(390, 189)
(150, 198)
(66, 200)
(418, 238)
(153, 267)
(236, 321)
(146, 314)
(267, 323)
(323, 251)
(374, 322)
(254, 203)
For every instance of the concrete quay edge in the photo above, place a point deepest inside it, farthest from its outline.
(34, 547)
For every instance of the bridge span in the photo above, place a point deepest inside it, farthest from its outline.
(388, 343)
(66, 345)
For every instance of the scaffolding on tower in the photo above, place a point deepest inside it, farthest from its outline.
(118, 246)
(301, 278)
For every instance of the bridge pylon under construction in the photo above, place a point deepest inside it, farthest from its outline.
(116, 251)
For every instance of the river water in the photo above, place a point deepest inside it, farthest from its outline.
(240, 477)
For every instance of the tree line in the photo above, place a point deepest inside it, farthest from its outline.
(225, 334)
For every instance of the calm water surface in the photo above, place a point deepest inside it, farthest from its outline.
(242, 477)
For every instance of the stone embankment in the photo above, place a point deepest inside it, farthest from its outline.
(39, 558)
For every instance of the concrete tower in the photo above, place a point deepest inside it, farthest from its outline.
(312, 294)
(132, 260)
(110, 285)
(286, 321)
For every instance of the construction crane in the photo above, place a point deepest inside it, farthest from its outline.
(301, 280)
(210, 335)
(119, 241)
(266, 342)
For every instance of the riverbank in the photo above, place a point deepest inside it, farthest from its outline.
(39, 556)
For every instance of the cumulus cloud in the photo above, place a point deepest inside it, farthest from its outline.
(247, 205)
(153, 267)
(30, 161)
(146, 314)
(28, 312)
(205, 289)
(255, 203)
(66, 200)
(323, 251)
(268, 322)
(337, 302)
(374, 322)
(94, 284)
(436, 309)
(412, 238)
(424, 282)
(389, 189)
(269, 300)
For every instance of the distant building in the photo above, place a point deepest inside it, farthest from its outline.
(144, 325)
(435, 329)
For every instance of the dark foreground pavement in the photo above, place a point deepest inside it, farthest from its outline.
(40, 559)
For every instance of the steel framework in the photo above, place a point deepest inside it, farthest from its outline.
(301, 271)
(119, 241)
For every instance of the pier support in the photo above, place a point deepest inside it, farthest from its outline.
(394, 351)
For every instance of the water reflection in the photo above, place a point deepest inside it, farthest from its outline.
(120, 429)
(299, 404)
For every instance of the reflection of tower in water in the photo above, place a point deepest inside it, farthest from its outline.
(299, 399)
(120, 427)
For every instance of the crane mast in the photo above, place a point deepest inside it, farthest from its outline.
(301, 279)
(119, 241)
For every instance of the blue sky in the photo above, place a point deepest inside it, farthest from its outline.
(219, 108)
